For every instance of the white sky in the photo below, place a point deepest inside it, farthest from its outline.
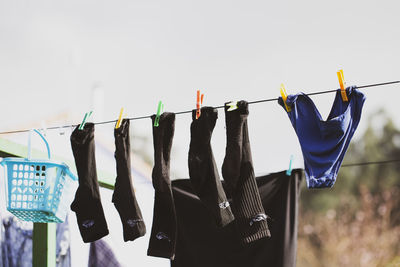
(53, 53)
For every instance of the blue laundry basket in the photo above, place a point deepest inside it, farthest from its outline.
(38, 190)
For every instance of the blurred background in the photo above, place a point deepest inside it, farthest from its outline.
(60, 59)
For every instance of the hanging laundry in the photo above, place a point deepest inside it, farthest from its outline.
(16, 247)
(17, 243)
(238, 173)
(163, 231)
(124, 197)
(200, 243)
(101, 255)
(203, 171)
(324, 143)
(87, 203)
(2, 241)
(63, 248)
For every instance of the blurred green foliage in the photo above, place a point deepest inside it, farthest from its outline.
(357, 222)
(381, 141)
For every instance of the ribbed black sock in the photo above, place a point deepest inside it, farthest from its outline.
(238, 174)
(124, 197)
(87, 203)
(203, 171)
(163, 231)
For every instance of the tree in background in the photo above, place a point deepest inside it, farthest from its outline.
(357, 222)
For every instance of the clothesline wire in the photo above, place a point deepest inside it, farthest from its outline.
(251, 102)
(371, 163)
(189, 111)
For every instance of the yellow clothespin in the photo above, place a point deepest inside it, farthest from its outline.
(118, 124)
(284, 97)
(342, 85)
(232, 105)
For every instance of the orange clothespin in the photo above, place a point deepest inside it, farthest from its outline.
(342, 85)
(284, 97)
(199, 102)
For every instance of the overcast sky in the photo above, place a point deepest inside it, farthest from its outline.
(55, 54)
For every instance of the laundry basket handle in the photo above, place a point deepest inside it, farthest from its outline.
(29, 143)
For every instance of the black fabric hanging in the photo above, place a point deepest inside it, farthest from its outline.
(87, 203)
(124, 197)
(203, 171)
(238, 173)
(201, 244)
(163, 231)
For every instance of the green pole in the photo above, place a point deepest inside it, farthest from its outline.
(44, 234)
(44, 245)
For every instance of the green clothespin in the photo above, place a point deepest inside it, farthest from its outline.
(289, 171)
(87, 115)
(232, 105)
(160, 109)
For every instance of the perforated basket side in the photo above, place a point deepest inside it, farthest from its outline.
(67, 193)
(35, 189)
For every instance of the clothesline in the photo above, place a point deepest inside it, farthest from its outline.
(371, 163)
(189, 111)
(251, 102)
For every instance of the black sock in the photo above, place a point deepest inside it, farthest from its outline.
(124, 197)
(163, 231)
(87, 204)
(238, 174)
(203, 171)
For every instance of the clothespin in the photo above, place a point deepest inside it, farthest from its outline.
(44, 128)
(160, 109)
(232, 105)
(289, 171)
(61, 130)
(342, 85)
(284, 97)
(199, 102)
(118, 124)
(87, 115)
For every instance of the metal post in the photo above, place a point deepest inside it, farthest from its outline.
(44, 245)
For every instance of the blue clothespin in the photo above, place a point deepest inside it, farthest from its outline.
(160, 109)
(87, 115)
(289, 171)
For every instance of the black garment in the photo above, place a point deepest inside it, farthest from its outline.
(124, 197)
(87, 204)
(238, 173)
(201, 244)
(163, 231)
(203, 171)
